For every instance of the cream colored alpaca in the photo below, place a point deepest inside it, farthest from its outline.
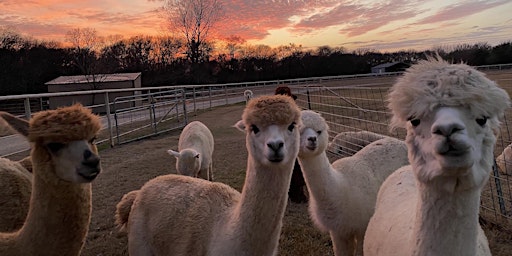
(195, 151)
(348, 143)
(65, 161)
(180, 215)
(431, 207)
(342, 195)
(15, 190)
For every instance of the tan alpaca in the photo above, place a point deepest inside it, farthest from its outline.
(181, 215)
(65, 161)
(15, 190)
(431, 206)
(343, 194)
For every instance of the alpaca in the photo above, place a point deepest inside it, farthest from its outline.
(348, 143)
(195, 150)
(504, 161)
(65, 161)
(180, 215)
(430, 207)
(248, 95)
(342, 195)
(16, 187)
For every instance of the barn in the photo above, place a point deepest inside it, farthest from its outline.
(92, 82)
(390, 67)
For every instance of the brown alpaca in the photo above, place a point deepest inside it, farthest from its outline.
(297, 191)
(65, 161)
(15, 189)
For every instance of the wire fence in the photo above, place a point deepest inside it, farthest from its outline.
(357, 115)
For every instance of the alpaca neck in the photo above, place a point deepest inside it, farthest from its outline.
(59, 213)
(321, 178)
(258, 215)
(446, 221)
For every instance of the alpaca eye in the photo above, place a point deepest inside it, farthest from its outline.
(481, 121)
(414, 121)
(291, 126)
(91, 141)
(254, 128)
(319, 132)
(54, 146)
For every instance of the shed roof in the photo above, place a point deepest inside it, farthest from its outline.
(387, 65)
(100, 78)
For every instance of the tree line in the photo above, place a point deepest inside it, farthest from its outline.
(165, 60)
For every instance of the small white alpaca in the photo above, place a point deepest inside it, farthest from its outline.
(15, 190)
(195, 150)
(348, 143)
(431, 206)
(180, 215)
(65, 161)
(342, 195)
(248, 95)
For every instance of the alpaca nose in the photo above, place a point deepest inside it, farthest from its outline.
(447, 128)
(312, 139)
(90, 159)
(275, 145)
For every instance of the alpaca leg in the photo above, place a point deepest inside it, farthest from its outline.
(137, 240)
(359, 244)
(210, 172)
(343, 245)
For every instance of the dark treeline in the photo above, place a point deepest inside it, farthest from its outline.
(25, 65)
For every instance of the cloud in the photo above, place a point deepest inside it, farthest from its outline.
(461, 10)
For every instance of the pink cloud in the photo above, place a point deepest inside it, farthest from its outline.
(461, 10)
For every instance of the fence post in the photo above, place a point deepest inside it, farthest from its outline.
(226, 93)
(309, 99)
(210, 92)
(194, 99)
(109, 122)
(28, 113)
(184, 107)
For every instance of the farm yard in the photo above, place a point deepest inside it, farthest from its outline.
(348, 105)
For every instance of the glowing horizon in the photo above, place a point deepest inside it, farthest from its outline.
(368, 24)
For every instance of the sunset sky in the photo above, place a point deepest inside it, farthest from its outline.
(371, 24)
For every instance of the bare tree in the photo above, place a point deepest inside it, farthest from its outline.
(85, 44)
(233, 44)
(194, 19)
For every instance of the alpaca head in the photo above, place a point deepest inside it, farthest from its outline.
(314, 134)
(284, 90)
(451, 115)
(63, 139)
(271, 125)
(188, 161)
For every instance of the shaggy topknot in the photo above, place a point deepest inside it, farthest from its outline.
(268, 110)
(314, 120)
(64, 124)
(434, 82)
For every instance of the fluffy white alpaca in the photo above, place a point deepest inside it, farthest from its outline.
(342, 195)
(348, 143)
(180, 215)
(248, 95)
(195, 150)
(64, 161)
(15, 190)
(431, 207)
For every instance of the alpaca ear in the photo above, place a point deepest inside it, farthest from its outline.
(173, 153)
(240, 126)
(19, 125)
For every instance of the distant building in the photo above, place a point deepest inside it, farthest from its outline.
(90, 82)
(390, 67)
